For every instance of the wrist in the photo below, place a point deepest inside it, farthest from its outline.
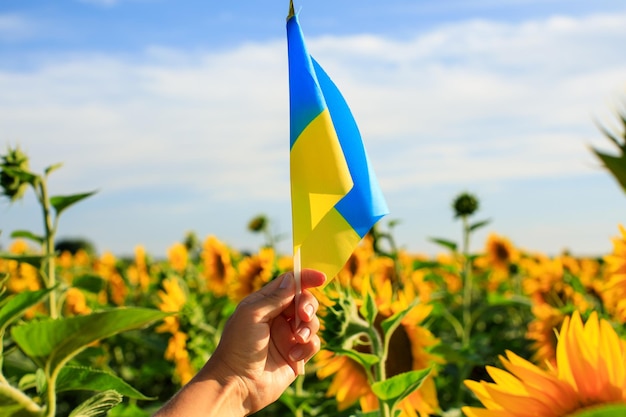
(231, 393)
(207, 395)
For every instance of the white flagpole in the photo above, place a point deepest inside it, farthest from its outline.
(297, 276)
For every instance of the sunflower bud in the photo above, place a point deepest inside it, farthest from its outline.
(258, 224)
(342, 323)
(465, 205)
(14, 174)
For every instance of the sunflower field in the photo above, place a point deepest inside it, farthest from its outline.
(502, 332)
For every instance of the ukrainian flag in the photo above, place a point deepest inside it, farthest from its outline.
(335, 197)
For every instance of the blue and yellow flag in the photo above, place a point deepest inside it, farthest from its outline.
(335, 197)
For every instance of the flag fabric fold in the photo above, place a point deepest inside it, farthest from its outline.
(335, 196)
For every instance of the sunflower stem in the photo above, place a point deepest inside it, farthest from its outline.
(380, 349)
(467, 284)
(299, 387)
(48, 266)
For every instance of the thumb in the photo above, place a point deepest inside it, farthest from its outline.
(271, 300)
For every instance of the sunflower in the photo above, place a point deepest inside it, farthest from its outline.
(450, 265)
(177, 352)
(23, 277)
(172, 299)
(409, 347)
(545, 282)
(589, 371)
(138, 272)
(541, 331)
(500, 253)
(358, 265)
(76, 302)
(106, 267)
(218, 265)
(253, 272)
(178, 256)
(614, 292)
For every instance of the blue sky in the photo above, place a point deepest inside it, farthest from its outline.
(177, 112)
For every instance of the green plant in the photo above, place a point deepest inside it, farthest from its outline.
(364, 336)
(615, 164)
(46, 348)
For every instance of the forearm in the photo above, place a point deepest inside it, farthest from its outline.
(205, 398)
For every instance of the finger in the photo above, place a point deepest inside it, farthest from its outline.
(308, 306)
(271, 300)
(312, 278)
(306, 330)
(275, 297)
(283, 339)
(304, 352)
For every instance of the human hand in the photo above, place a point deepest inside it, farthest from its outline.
(258, 354)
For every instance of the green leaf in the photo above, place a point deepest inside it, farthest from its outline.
(77, 378)
(375, 413)
(398, 387)
(390, 324)
(53, 167)
(98, 405)
(28, 235)
(34, 260)
(445, 243)
(40, 380)
(368, 309)
(23, 175)
(54, 342)
(478, 225)
(502, 300)
(92, 283)
(611, 410)
(61, 202)
(16, 305)
(129, 410)
(365, 359)
(27, 381)
(418, 264)
(615, 165)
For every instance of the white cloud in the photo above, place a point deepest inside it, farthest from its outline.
(477, 101)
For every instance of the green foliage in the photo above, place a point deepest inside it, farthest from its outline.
(98, 405)
(60, 203)
(615, 164)
(612, 410)
(393, 390)
(77, 378)
(52, 341)
(14, 306)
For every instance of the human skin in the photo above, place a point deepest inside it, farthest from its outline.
(258, 355)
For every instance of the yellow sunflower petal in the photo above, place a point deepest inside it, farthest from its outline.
(519, 405)
(482, 412)
(480, 390)
(553, 391)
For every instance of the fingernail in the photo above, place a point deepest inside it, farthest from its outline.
(286, 281)
(304, 333)
(309, 310)
(296, 354)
